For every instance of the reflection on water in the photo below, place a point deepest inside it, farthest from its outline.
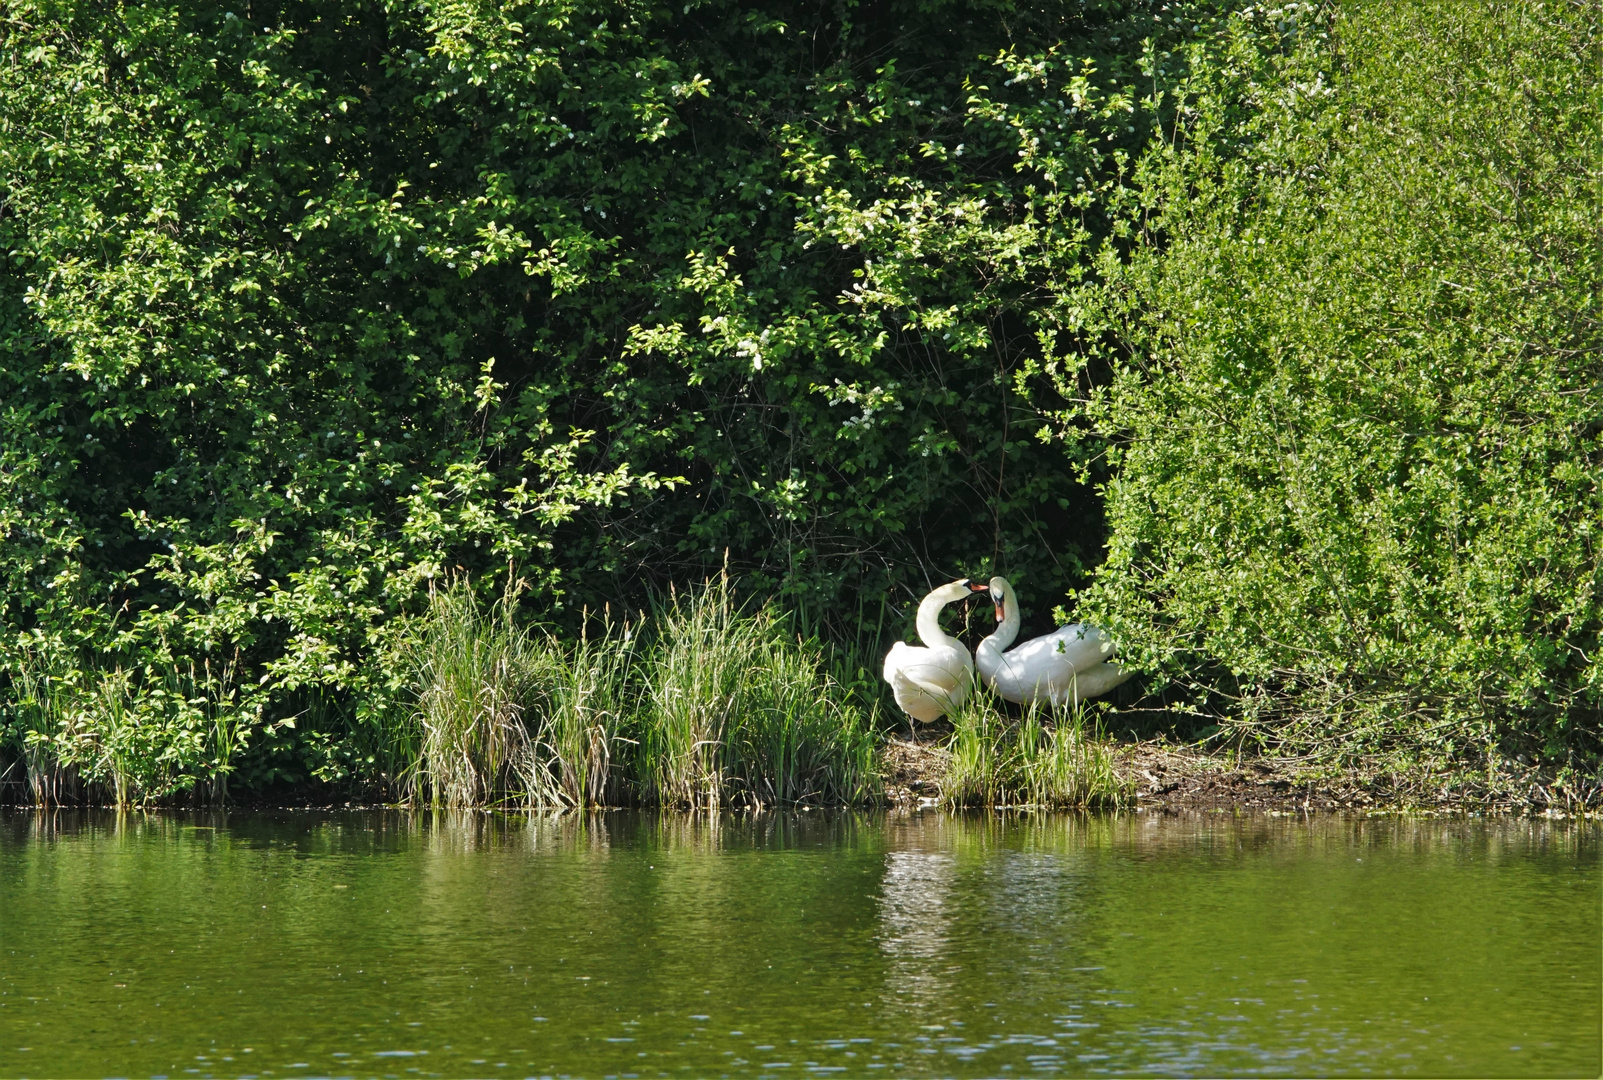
(615, 944)
(913, 922)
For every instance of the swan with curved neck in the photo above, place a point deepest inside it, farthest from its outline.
(930, 680)
(1064, 667)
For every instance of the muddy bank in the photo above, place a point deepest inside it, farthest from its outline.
(1161, 775)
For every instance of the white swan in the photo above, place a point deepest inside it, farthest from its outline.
(934, 679)
(1064, 667)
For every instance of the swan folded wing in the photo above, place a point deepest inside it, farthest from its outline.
(1067, 649)
(1067, 665)
(1057, 681)
(1021, 681)
(926, 682)
(895, 659)
(923, 700)
(1096, 680)
(943, 670)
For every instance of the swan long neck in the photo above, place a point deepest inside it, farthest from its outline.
(929, 621)
(988, 655)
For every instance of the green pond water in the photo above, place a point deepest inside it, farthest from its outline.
(306, 944)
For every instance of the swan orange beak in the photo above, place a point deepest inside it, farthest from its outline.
(999, 615)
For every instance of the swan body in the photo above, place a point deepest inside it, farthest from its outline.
(1065, 667)
(930, 680)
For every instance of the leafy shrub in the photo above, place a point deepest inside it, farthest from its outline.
(305, 305)
(1355, 501)
(88, 730)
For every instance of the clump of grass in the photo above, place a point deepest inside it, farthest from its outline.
(716, 708)
(475, 671)
(136, 733)
(505, 715)
(739, 711)
(41, 714)
(108, 727)
(1001, 760)
(973, 770)
(81, 735)
(800, 737)
(584, 712)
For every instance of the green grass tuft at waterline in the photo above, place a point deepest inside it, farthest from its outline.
(1000, 760)
(698, 705)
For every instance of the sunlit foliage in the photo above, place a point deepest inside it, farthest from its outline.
(1357, 395)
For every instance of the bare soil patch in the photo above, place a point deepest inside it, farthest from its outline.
(914, 767)
(1179, 777)
(1164, 775)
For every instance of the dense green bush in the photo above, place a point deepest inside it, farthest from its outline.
(304, 305)
(1357, 409)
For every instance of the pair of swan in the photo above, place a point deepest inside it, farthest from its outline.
(1064, 667)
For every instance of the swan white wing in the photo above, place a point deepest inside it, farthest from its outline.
(923, 701)
(1076, 646)
(895, 659)
(927, 682)
(1026, 675)
(1096, 680)
(914, 700)
(1046, 667)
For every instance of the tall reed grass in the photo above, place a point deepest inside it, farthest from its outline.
(476, 671)
(741, 711)
(586, 715)
(41, 714)
(699, 706)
